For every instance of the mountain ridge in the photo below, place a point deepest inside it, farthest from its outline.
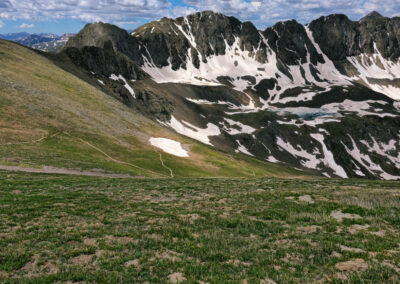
(371, 16)
(321, 96)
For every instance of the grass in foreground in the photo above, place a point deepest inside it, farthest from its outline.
(56, 228)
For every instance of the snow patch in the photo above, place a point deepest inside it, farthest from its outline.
(366, 162)
(383, 149)
(242, 149)
(329, 160)
(328, 69)
(308, 161)
(380, 68)
(197, 133)
(127, 86)
(362, 108)
(169, 146)
(272, 159)
(206, 102)
(243, 128)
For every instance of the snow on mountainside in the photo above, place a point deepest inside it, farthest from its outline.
(169, 146)
(323, 96)
(237, 63)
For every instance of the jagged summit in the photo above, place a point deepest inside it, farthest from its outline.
(107, 36)
(371, 16)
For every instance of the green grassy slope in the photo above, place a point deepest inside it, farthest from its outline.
(49, 117)
(55, 229)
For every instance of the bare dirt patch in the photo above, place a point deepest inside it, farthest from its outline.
(390, 265)
(340, 276)
(380, 233)
(130, 263)
(176, 277)
(191, 218)
(349, 249)
(357, 264)
(5, 235)
(121, 240)
(354, 229)
(100, 253)
(339, 216)
(267, 280)
(90, 242)
(32, 266)
(50, 268)
(83, 259)
(306, 198)
(169, 255)
(336, 254)
(309, 229)
(237, 262)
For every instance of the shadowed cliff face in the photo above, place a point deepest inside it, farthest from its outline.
(290, 41)
(103, 61)
(322, 96)
(108, 37)
(195, 38)
(340, 37)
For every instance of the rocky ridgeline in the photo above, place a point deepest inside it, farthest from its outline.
(317, 97)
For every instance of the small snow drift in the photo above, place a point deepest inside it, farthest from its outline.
(120, 77)
(169, 146)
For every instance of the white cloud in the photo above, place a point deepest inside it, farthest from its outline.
(1, 24)
(267, 12)
(85, 10)
(125, 24)
(26, 26)
(180, 11)
(261, 12)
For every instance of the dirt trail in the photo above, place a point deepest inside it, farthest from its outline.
(33, 141)
(46, 169)
(52, 170)
(162, 163)
(111, 158)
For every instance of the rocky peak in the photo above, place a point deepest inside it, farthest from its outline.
(371, 16)
(109, 37)
(197, 36)
(290, 42)
(212, 31)
(339, 37)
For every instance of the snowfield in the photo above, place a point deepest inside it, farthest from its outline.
(197, 133)
(169, 146)
(292, 92)
(237, 63)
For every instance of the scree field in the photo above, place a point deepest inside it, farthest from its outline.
(57, 228)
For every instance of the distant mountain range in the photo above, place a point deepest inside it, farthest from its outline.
(44, 41)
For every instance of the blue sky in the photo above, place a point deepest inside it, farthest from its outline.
(62, 16)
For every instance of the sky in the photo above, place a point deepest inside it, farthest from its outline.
(63, 16)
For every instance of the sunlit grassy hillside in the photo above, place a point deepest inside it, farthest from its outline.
(49, 117)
